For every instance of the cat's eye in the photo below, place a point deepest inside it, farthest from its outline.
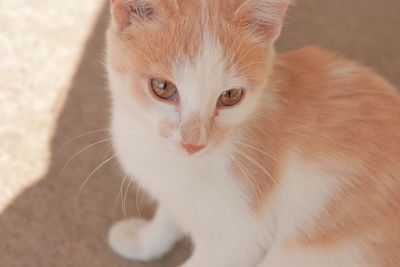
(164, 89)
(231, 98)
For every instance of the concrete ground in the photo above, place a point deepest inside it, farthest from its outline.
(53, 89)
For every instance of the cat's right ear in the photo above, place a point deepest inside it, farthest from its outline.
(263, 17)
(128, 12)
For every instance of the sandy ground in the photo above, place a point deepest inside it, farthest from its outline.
(53, 89)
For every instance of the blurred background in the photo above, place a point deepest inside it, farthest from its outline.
(54, 116)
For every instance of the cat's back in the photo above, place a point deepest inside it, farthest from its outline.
(331, 95)
(313, 66)
(332, 104)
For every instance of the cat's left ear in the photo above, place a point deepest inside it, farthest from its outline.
(263, 17)
(130, 12)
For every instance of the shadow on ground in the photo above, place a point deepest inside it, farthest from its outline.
(51, 225)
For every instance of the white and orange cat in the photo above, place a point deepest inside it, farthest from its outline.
(265, 160)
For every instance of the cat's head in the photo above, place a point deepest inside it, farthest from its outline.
(195, 69)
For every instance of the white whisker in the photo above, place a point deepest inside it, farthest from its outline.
(77, 137)
(137, 201)
(119, 195)
(95, 170)
(93, 132)
(125, 196)
(80, 151)
(257, 149)
(245, 172)
(255, 163)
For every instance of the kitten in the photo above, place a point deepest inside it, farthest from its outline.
(264, 160)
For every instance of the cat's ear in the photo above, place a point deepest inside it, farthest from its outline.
(264, 17)
(128, 12)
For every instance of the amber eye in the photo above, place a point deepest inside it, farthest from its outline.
(164, 89)
(230, 98)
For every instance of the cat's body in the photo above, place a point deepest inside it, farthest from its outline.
(304, 172)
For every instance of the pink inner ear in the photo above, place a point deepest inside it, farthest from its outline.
(270, 18)
(274, 27)
(121, 13)
(264, 16)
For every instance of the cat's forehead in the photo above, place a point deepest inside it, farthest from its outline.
(224, 8)
(191, 40)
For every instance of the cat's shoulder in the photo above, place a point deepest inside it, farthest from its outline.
(309, 55)
(314, 60)
(313, 65)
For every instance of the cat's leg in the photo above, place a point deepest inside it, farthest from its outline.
(336, 256)
(141, 240)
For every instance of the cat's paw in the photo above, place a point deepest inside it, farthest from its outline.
(128, 239)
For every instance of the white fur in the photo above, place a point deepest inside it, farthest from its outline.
(305, 190)
(138, 240)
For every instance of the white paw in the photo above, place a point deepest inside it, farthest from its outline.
(127, 238)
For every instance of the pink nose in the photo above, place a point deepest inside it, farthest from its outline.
(192, 149)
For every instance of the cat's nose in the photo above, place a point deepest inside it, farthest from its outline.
(192, 149)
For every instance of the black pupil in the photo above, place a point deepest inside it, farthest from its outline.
(232, 94)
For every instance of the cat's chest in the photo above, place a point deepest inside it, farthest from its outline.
(166, 176)
(204, 189)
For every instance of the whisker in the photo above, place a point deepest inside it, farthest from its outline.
(93, 132)
(254, 136)
(80, 136)
(104, 163)
(79, 152)
(245, 172)
(126, 194)
(107, 152)
(138, 200)
(86, 148)
(119, 195)
(95, 170)
(240, 166)
(255, 163)
(257, 149)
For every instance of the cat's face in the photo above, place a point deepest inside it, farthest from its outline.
(196, 69)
